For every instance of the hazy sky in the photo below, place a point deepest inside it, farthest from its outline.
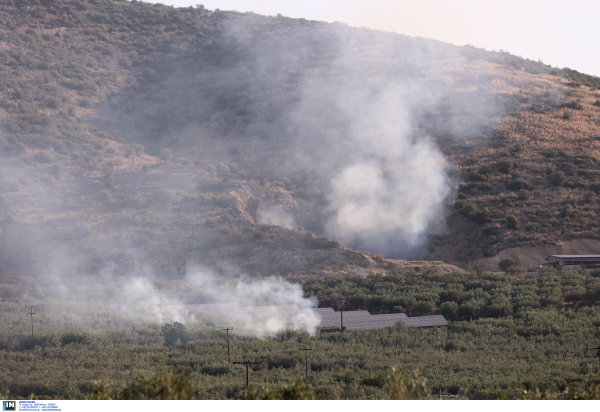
(560, 33)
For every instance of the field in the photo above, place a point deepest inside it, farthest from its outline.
(82, 339)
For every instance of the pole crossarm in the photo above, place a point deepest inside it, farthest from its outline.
(247, 362)
(31, 313)
(306, 363)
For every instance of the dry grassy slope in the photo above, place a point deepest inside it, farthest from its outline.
(552, 214)
(82, 82)
(164, 235)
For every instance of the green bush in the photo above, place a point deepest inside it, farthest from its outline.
(507, 263)
(75, 337)
(595, 187)
(512, 222)
(516, 270)
(163, 385)
(173, 333)
(518, 184)
(321, 243)
(523, 194)
(295, 390)
(566, 211)
(448, 308)
(557, 178)
(426, 307)
(505, 165)
(552, 153)
(398, 387)
(472, 307)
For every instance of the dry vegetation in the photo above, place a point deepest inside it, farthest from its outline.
(124, 131)
(540, 166)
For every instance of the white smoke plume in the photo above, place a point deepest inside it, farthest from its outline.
(274, 214)
(257, 307)
(264, 307)
(387, 182)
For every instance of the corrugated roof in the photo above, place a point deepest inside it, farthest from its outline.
(574, 256)
(353, 320)
(425, 321)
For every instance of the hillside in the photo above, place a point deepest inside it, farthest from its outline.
(139, 136)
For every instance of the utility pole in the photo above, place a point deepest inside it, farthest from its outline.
(342, 315)
(228, 353)
(31, 313)
(247, 363)
(306, 363)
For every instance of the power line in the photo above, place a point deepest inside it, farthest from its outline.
(247, 363)
(228, 352)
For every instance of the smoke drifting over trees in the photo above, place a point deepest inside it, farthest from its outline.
(155, 137)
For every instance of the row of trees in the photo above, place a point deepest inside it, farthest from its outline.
(85, 339)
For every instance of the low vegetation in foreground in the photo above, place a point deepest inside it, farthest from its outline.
(534, 339)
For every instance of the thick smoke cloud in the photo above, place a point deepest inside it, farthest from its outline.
(138, 298)
(266, 293)
(354, 129)
(385, 182)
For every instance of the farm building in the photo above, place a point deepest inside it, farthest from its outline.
(561, 262)
(295, 317)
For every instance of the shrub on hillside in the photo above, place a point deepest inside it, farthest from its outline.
(574, 182)
(507, 263)
(566, 211)
(557, 178)
(321, 243)
(512, 222)
(595, 187)
(552, 153)
(524, 194)
(505, 165)
(518, 184)
(471, 212)
(483, 175)
(515, 270)
(488, 252)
